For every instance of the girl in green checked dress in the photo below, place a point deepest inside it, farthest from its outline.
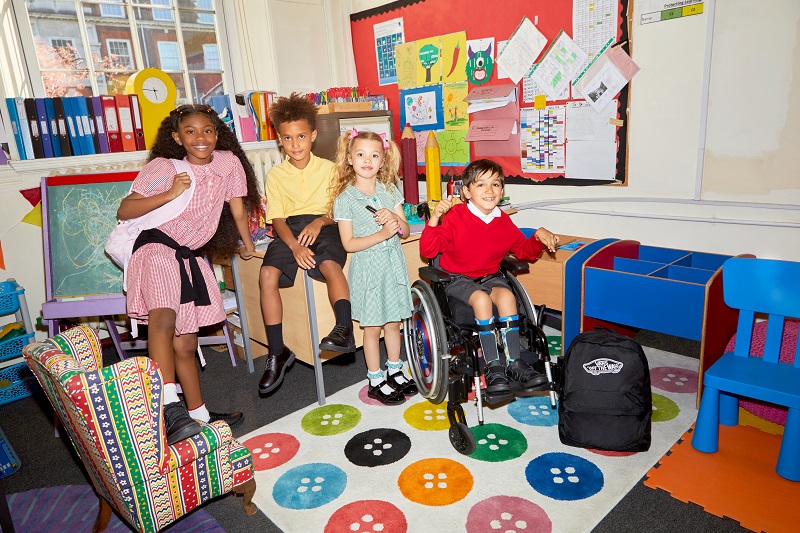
(368, 206)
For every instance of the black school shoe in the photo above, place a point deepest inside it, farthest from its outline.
(520, 372)
(232, 419)
(274, 370)
(340, 339)
(178, 423)
(496, 380)
(392, 398)
(407, 387)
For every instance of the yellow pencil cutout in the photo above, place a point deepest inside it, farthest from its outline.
(433, 169)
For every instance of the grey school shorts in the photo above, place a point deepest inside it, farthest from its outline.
(462, 287)
(327, 246)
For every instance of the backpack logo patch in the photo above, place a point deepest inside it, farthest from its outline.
(603, 365)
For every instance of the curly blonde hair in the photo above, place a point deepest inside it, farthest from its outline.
(345, 173)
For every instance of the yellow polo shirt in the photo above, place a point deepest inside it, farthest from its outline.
(291, 191)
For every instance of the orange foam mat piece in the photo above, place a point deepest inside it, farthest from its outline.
(739, 481)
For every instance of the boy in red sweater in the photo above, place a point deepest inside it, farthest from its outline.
(472, 241)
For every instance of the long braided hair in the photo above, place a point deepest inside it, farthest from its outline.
(225, 241)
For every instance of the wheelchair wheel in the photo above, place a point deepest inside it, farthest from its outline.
(461, 438)
(425, 342)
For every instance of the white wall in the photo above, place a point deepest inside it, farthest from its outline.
(666, 139)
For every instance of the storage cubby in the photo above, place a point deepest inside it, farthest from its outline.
(659, 289)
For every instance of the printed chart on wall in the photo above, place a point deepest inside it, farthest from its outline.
(388, 35)
(661, 10)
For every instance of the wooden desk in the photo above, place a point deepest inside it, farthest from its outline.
(545, 279)
(307, 314)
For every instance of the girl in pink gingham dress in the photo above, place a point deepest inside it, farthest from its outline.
(161, 290)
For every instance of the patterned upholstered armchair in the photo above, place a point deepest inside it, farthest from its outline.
(113, 417)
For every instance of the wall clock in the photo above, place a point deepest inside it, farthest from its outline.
(157, 94)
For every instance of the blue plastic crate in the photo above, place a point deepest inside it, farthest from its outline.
(9, 297)
(22, 383)
(9, 462)
(13, 347)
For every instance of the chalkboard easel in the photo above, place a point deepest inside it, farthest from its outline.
(78, 213)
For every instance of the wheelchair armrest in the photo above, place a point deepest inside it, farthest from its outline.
(514, 265)
(433, 274)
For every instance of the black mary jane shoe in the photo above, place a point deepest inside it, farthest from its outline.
(392, 398)
(407, 386)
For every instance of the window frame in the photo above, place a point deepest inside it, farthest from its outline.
(30, 64)
(177, 47)
(127, 42)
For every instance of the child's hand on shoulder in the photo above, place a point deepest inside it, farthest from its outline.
(181, 182)
(550, 240)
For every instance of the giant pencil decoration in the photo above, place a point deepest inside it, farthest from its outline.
(408, 151)
(433, 170)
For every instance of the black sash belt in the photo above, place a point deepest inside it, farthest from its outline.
(197, 293)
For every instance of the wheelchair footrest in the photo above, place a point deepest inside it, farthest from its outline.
(519, 390)
(496, 399)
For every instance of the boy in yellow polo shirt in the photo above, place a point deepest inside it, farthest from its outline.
(297, 203)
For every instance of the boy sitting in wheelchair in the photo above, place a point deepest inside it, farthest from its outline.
(471, 241)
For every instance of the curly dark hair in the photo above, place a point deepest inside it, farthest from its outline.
(225, 241)
(294, 107)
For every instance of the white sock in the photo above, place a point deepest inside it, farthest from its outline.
(201, 414)
(375, 379)
(395, 370)
(170, 393)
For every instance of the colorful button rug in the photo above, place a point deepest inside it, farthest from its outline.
(355, 465)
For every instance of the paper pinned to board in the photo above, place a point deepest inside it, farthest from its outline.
(521, 50)
(606, 77)
(559, 66)
(491, 97)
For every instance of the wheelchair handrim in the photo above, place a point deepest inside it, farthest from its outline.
(423, 369)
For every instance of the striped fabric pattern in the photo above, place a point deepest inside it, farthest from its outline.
(113, 417)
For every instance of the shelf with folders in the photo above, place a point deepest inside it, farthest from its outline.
(16, 379)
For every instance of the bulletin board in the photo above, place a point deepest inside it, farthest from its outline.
(428, 19)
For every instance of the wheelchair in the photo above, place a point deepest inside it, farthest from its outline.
(441, 345)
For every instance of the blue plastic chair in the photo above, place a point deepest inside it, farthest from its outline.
(771, 288)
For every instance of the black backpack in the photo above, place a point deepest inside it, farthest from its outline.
(605, 400)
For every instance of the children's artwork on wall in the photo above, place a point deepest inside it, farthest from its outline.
(387, 35)
(455, 108)
(405, 56)
(422, 108)
(454, 57)
(421, 137)
(429, 65)
(453, 147)
(480, 60)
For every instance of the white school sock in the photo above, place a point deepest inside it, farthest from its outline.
(170, 393)
(201, 414)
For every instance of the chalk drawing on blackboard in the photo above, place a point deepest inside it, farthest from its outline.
(81, 217)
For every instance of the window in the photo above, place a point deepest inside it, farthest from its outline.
(211, 56)
(91, 47)
(205, 18)
(169, 55)
(120, 51)
(162, 14)
(112, 11)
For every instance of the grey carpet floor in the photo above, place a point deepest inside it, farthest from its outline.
(49, 461)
